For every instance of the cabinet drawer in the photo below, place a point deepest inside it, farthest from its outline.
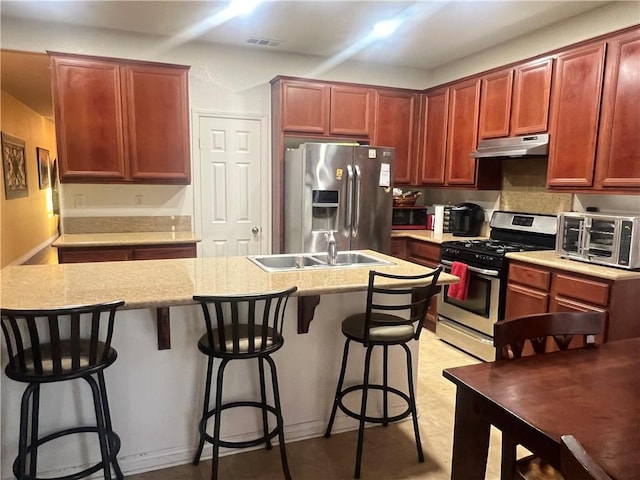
(525, 301)
(532, 277)
(584, 289)
(424, 252)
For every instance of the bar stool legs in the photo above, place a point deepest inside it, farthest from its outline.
(219, 407)
(28, 444)
(365, 387)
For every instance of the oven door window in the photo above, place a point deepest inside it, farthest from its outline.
(478, 299)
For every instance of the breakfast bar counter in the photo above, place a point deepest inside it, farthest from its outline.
(156, 395)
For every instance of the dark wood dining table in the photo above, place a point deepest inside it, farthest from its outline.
(590, 393)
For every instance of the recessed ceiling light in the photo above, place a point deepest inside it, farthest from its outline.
(385, 28)
(242, 7)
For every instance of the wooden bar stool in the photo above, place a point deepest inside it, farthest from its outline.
(377, 328)
(242, 327)
(57, 345)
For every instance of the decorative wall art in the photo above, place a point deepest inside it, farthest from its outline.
(44, 177)
(14, 167)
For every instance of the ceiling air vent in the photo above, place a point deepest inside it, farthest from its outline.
(264, 42)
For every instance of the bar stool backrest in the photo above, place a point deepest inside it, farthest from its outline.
(244, 324)
(58, 341)
(393, 300)
(510, 336)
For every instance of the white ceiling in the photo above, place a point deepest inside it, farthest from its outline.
(432, 34)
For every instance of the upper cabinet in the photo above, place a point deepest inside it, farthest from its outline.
(515, 101)
(462, 133)
(449, 133)
(394, 126)
(433, 131)
(575, 111)
(594, 144)
(120, 121)
(325, 109)
(618, 152)
(531, 93)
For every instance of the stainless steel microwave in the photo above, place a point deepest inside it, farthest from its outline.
(611, 240)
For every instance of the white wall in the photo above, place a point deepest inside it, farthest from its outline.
(608, 18)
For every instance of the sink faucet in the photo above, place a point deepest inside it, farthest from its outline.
(332, 249)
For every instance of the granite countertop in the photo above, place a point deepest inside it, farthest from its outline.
(123, 239)
(429, 236)
(548, 258)
(164, 283)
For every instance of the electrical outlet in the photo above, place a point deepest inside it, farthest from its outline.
(79, 200)
(138, 200)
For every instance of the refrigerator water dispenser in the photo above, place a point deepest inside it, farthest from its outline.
(324, 210)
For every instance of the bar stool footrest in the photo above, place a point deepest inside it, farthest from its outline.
(114, 448)
(240, 444)
(357, 415)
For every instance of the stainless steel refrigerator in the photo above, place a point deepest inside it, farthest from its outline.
(341, 188)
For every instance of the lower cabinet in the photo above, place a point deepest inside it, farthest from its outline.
(123, 253)
(535, 289)
(422, 253)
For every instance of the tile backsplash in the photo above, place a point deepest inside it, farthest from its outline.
(523, 188)
(126, 224)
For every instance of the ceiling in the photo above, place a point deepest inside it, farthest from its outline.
(431, 34)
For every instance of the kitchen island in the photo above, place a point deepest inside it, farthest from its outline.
(156, 395)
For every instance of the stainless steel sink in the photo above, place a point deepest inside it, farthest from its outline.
(354, 258)
(303, 261)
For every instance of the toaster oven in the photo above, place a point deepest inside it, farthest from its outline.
(611, 240)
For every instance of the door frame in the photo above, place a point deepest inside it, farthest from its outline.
(265, 172)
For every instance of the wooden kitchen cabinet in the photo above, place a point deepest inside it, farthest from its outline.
(531, 95)
(124, 253)
(515, 101)
(448, 135)
(575, 113)
(351, 111)
(120, 121)
(427, 254)
(435, 108)
(618, 151)
(535, 289)
(325, 109)
(399, 247)
(495, 104)
(395, 126)
(462, 133)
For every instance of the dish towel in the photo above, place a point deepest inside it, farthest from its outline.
(459, 290)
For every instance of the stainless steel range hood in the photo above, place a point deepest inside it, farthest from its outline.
(514, 147)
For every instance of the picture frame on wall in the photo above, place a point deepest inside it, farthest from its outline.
(44, 168)
(14, 167)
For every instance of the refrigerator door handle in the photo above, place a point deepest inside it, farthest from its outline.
(349, 215)
(356, 222)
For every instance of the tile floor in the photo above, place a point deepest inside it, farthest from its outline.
(389, 453)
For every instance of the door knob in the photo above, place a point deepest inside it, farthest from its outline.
(255, 230)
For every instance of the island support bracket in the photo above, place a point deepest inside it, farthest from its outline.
(164, 328)
(306, 309)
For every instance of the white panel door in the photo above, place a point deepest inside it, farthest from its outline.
(230, 163)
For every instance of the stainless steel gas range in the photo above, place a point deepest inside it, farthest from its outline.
(467, 322)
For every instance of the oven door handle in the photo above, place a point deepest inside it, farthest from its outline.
(481, 271)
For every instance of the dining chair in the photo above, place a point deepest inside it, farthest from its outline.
(532, 335)
(393, 317)
(576, 463)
